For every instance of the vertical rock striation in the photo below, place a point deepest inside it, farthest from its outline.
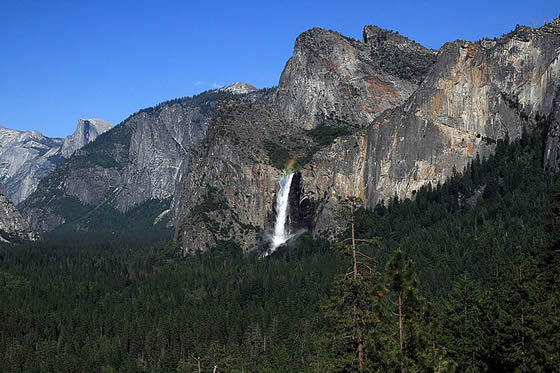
(473, 95)
(159, 152)
(27, 157)
(230, 189)
(13, 226)
(331, 80)
(144, 158)
(87, 131)
(331, 76)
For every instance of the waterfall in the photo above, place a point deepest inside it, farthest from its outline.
(281, 232)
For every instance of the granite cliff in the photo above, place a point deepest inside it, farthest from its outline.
(475, 94)
(332, 86)
(423, 125)
(87, 131)
(331, 76)
(27, 157)
(239, 88)
(375, 119)
(230, 189)
(143, 159)
(13, 226)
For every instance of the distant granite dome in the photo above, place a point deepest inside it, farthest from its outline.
(86, 131)
(239, 88)
(27, 157)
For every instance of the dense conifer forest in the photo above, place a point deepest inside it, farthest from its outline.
(462, 277)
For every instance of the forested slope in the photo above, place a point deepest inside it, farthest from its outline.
(483, 292)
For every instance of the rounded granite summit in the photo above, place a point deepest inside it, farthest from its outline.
(239, 88)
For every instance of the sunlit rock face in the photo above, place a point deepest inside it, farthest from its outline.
(330, 80)
(26, 157)
(475, 94)
(13, 226)
(144, 158)
(436, 120)
(239, 88)
(86, 132)
(331, 76)
(230, 188)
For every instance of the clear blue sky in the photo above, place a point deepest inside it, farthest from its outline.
(64, 60)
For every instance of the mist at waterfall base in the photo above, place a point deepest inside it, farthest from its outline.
(281, 234)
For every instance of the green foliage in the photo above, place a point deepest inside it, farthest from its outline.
(511, 325)
(71, 208)
(471, 227)
(464, 324)
(406, 335)
(205, 101)
(213, 201)
(408, 64)
(349, 307)
(10, 237)
(104, 220)
(131, 306)
(475, 222)
(279, 156)
(347, 317)
(109, 149)
(483, 295)
(325, 135)
(95, 159)
(322, 136)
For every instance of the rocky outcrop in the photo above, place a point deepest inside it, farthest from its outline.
(13, 226)
(552, 146)
(87, 131)
(334, 77)
(89, 177)
(299, 219)
(159, 151)
(230, 188)
(239, 88)
(300, 207)
(330, 81)
(160, 144)
(474, 95)
(397, 55)
(27, 157)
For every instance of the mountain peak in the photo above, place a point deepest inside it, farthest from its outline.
(375, 36)
(99, 124)
(239, 88)
(87, 130)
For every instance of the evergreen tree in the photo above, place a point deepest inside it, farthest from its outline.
(406, 335)
(466, 339)
(350, 305)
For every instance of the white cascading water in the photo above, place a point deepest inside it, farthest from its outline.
(281, 232)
